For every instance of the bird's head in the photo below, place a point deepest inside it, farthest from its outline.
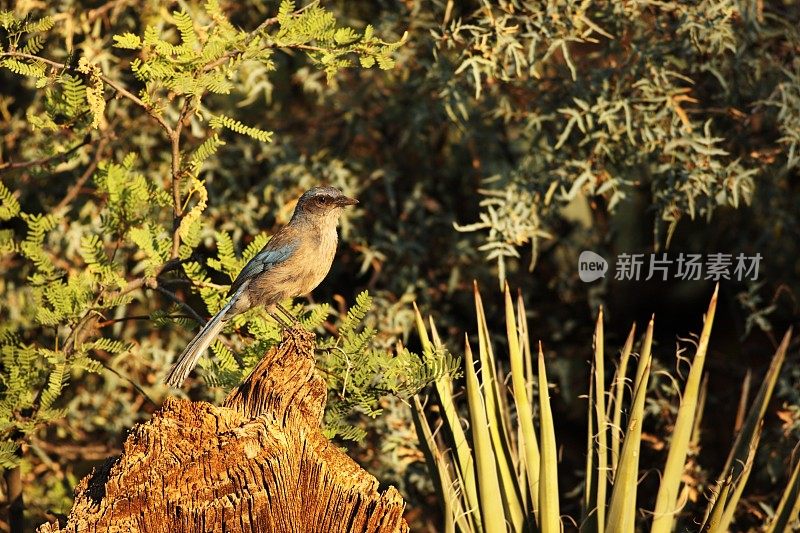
(323, 203)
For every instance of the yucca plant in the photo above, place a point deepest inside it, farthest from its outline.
(501, 474)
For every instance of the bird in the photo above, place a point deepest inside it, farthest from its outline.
(292, 263)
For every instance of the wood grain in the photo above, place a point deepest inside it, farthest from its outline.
(258, 463)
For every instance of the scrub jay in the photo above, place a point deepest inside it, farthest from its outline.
(294, 261)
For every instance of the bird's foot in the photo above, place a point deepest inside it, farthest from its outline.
(297, 331)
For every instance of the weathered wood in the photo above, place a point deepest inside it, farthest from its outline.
(258, 463)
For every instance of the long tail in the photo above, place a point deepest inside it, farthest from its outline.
(188, 359)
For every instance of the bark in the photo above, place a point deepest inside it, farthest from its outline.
(258, 463)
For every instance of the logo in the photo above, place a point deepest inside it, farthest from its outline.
(591, 266)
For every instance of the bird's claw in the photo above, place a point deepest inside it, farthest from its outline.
(297, 331)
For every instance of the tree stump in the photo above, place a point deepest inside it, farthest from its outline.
(258, 463)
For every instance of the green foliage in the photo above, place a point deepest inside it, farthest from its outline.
(786, 99)
(9, 206)
(205, 150)
(71, 99)
(87, 269)
(333, 45)
(32, 382)
(8, 451)
(238, 127)
(33, 245)
(612, 108)
(34, 69)
(359, 374)
(99, 264)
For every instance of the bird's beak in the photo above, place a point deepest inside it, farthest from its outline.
(346, 200)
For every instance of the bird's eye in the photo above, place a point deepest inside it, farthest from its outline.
(320, 202)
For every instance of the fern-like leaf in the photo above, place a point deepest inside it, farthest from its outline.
(128, 41)
(55, 384)
(9, 206)
(221, 121)
(204, 151)
(185, 26)
(33, 69)
(34, 45)
(8, 454)
(37, 26)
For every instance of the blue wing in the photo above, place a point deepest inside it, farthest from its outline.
(279, 248)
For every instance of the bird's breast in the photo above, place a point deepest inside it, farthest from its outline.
(319, 258)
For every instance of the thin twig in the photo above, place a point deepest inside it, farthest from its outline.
(122, 91)
(90, 452)
(308, 47)
(132, 383)
(14, 497)
(186, 111)
(113, 321)
(175, 143)
(75, 189)
(8, 165)
(98, 12)
(183, 305)
(195, 283)
(90, 319)
(135, 99)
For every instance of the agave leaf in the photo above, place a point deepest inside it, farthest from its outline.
(622, 509)
(530, 445)
(744, 395)
(718, 508)
(463, 461)
(618, 403)
(600, 437)
(694, 441)
(667, 499)
(500, 435)
(730, 491)
(473, 513)
(743, 447)
(647, 346)
(588, 521)
(549, 514)
(491, 503)
(789, 505)
(525, 342)
(445, 486)
(739, 484)
(522, 477)
(739, 452)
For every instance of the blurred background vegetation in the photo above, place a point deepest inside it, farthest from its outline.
(149, 147)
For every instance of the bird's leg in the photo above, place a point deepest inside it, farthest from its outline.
(279, 319)
(288, 315)
(296, 328)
